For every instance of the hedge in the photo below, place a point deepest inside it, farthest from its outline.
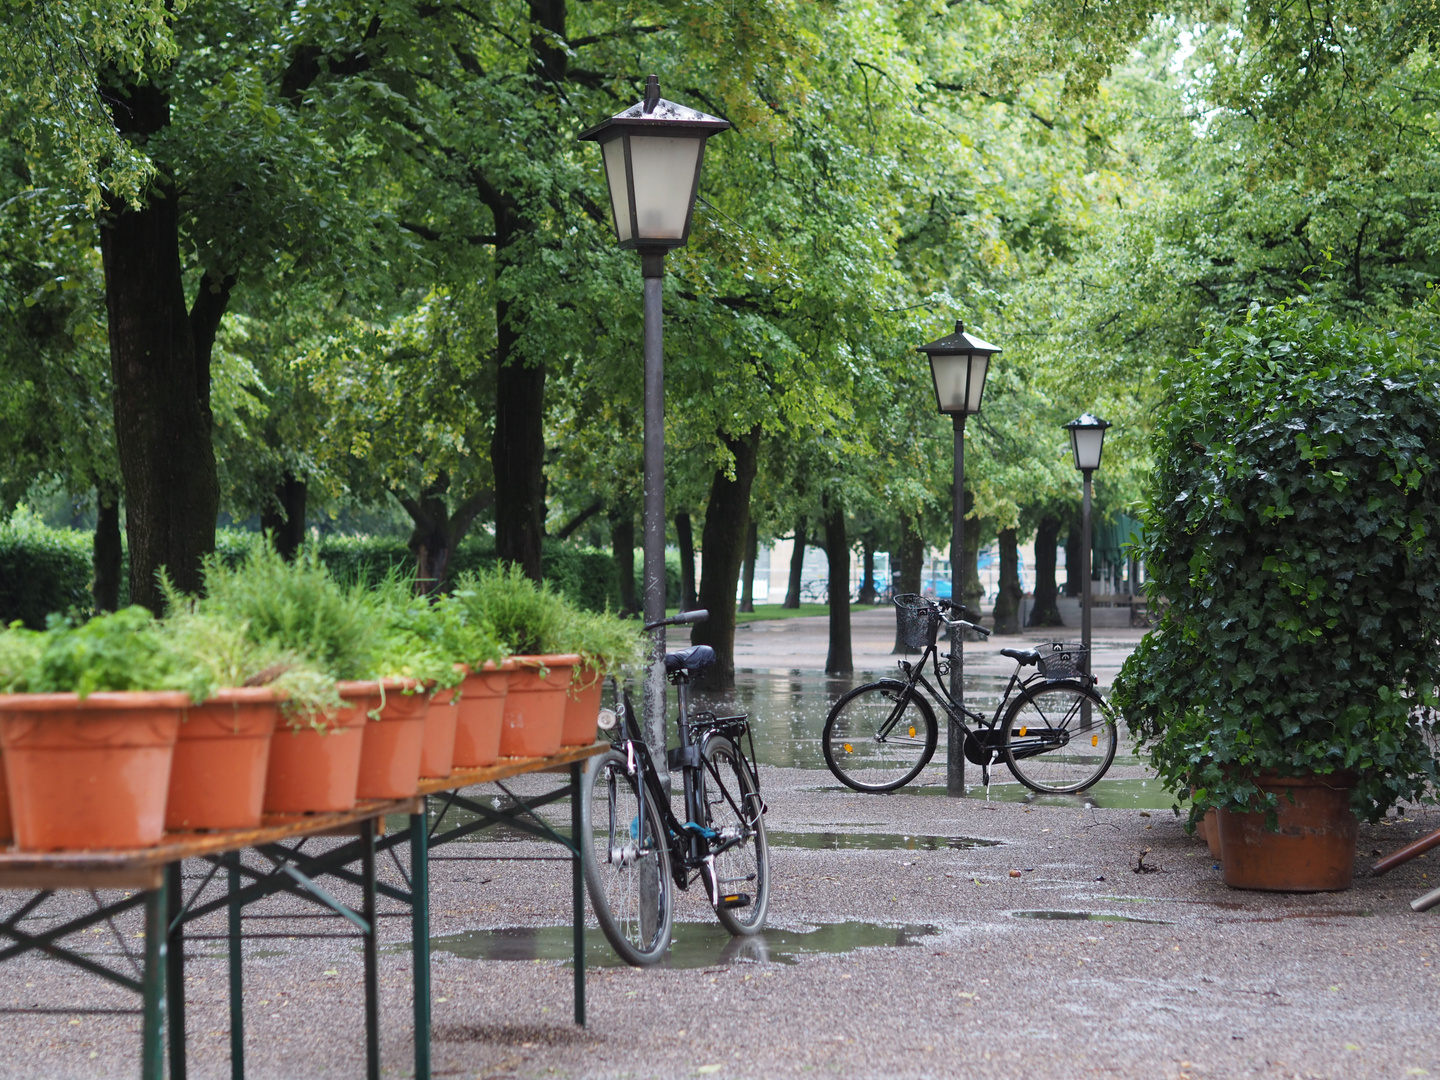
(42, 570)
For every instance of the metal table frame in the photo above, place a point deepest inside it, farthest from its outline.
(155, 874)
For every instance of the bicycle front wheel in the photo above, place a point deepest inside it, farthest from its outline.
(626, 862)
(735, 812)
(879, 736)
(1059, 738)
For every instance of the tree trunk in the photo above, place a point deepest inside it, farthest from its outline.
(686, 535)
(747, 573)
(437, 531)
(162, 430)
(1074, 552)
(622, 548)
(912, 566)
(797, 566)
(517, 451)
(1046, 609)
(723, 547)
(867, 587)
(107, 549)
(839, 660)
(284, 518)
(1007, 603)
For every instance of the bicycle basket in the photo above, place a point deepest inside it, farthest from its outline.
(1061, 659)
(917, 621)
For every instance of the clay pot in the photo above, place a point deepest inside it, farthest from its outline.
(7, 831)
(535, 705)
(221, 757)
(437, 756)
(390, 758)
(482, 708)
(89, 774)
(1212, 833)
(315, 771)
(1314, 851)
(582, 707)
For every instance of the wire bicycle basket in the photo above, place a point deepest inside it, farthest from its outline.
(917, 621)
(1062, 660)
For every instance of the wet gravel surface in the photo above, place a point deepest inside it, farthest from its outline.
(1172, 975)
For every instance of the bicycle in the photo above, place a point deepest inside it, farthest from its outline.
(879, 736)
(633, 848)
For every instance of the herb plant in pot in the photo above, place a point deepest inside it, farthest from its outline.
(529, 621)
(299, 610)
(1290, 529)
(605, 644)
(88, 748)
(478, 703)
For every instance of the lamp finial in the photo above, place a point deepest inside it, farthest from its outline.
(652, 93)
(959, 327)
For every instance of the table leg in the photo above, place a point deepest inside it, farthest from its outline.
(237, 999)
(372, 979)
(175, 968)
(152, 1050)
(577, 891)
(420, 935)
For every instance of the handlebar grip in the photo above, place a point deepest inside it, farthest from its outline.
(695, 615)
(971, 626)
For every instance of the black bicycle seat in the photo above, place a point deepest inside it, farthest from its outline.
(1024, 657)
(690, 661)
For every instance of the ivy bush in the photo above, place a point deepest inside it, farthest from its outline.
(1294, 527)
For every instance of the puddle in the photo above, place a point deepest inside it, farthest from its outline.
(1105, 795)
(1083, 916)
(694, 945)
(861, 841)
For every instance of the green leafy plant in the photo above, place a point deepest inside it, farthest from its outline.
(121, 651)
(417, 639)
(19, 657)
(1291, 528)
(526, 619)
(603, 640)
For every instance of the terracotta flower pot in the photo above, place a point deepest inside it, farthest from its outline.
(390, 759)
(535, 705)
(7, 830)
(316, 771)
(92, 773)
(221, 758)
(1314, 851)
(482, 707)
(582, 707)
(437, 756)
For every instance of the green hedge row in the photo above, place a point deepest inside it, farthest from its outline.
(44, 570)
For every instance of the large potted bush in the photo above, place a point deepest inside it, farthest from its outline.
(1291, 529)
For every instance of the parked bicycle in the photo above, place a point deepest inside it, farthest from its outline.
(634, 849)
(1051, 728)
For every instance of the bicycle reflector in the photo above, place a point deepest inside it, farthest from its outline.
(607, 719)
(735, 900)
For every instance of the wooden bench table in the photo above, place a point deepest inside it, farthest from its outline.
(152, 875)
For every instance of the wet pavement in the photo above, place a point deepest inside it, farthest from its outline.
(910, 935)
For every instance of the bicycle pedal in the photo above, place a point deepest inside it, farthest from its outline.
(735, 900)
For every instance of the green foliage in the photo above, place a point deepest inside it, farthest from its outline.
(19, 657)
(294, 606)
(42, 570)
(121, 651)
(418, 640)
(528, 619)
(1292, 529)
(462, 634)
(603, 640)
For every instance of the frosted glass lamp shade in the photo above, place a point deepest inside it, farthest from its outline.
(1087, 441)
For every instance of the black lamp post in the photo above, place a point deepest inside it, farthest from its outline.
(653, 152)
(958, 364)
(1087, 442)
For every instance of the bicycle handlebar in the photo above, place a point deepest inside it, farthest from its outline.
(963, 625)
(697, 615)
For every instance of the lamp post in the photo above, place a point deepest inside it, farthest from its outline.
(1087, 441)
(959, 363)
(653, 152)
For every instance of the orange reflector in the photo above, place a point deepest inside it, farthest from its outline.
(1022, 731)
(1094, 740)
(849, 749)
(912, 731)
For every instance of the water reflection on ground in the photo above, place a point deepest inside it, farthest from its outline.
(694, 944)
(863, 841)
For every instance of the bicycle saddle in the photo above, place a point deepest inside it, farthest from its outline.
(1024, 657)
(689, 661)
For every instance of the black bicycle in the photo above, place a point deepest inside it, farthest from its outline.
(1052, 728)
(633, 848)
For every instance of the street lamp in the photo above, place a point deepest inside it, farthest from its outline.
(653, 152)
(1087, 441)
(959, 363)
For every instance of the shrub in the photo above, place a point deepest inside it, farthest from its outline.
(526, 618)
(1292, 529)
(43, 571)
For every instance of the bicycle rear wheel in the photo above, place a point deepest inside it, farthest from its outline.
(626, 866)
(1059, 737)
(879, 736)
(734, 810)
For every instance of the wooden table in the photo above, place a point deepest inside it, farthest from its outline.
(153, 875)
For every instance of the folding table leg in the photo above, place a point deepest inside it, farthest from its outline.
(175, 968)
(237, 988)
(372, 977)
(577, 891)
(420, 934)
(152, 1049)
